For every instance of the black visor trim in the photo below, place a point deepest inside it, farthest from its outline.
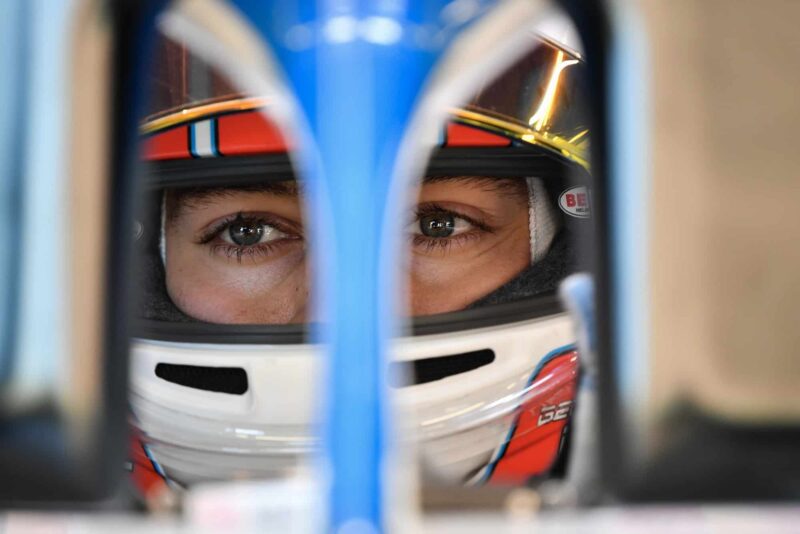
(237, 171)
(494, 315)
(219, 171)
(232, 380)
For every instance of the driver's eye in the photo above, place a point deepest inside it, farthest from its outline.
(247, 231)
(436, 223)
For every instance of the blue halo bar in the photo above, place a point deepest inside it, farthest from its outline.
(356, 75)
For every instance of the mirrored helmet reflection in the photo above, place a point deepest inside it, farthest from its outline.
(224, 378)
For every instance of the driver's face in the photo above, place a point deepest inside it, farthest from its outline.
(239, 255)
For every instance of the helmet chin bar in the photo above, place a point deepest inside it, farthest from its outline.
(459, 420)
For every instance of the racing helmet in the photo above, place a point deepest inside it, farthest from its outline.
(488, 388)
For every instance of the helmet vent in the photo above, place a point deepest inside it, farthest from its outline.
(231, 380)
(432, 369)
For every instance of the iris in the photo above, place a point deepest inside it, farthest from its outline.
(246, 233)
(437, 225)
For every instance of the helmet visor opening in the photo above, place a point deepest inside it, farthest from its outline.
(488, 236)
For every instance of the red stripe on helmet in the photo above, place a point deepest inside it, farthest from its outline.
(248, 133)
(536, 441)
(146, 480)
(462, 135)
(170, 144)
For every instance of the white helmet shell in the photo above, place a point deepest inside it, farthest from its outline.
(459, 422)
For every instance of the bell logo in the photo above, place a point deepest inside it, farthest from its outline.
(576, 202)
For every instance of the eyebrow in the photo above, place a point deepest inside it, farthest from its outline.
(190, 198)
(198, 197)
(514, 186)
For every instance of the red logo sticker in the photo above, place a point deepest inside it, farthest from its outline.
(576, 202)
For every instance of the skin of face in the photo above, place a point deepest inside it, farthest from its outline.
(212, 278)
(448, 277)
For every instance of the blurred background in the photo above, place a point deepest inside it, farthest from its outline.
(724, 285)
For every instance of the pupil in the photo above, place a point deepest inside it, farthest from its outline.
(438, 225)
(246, 233)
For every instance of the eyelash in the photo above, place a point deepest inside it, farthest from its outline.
(239, 251)
(441, 244)
(253, 251)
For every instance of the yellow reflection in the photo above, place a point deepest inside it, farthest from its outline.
(542, 116)
(580, 135)
(200, 110)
